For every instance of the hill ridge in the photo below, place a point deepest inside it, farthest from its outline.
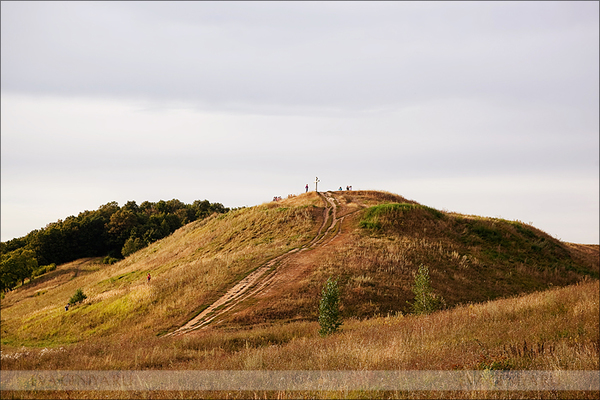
(373, 241)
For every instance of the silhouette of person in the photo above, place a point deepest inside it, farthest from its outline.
(306, 188)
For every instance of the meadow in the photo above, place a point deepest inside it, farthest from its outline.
(515, 299)
(551, 330)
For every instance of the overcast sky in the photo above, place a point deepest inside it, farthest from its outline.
(485, 108)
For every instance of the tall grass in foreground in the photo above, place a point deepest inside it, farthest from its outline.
(552, 330)
(346, 394)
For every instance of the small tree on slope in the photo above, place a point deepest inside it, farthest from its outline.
(329, 308)
(78, 297)
(426, 301)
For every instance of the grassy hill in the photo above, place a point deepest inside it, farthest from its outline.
(373, 242)
(471, 259)
(189, 270)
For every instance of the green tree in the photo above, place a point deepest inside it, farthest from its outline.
(78, 297)
(120, 225)
(18, 265)
(49, 244)
(426, 301)
(329, 308)
(132, 245)
(101, 232)
(8, 276)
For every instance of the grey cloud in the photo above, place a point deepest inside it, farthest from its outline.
(240, 101)
(359, 56)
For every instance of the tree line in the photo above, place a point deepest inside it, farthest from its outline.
(111, 231)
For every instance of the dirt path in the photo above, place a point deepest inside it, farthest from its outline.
(267, 275)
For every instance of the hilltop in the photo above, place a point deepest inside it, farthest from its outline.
(267, 264)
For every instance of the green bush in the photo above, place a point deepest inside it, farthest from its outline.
(329, 308)
(78, 297)
(43, 269)
(132, 245)
(426, 301)
(109, 260)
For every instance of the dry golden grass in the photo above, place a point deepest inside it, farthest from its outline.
(198, 263)
(189, 269)
(119, 325)
(306, 199)
(551, 330)
(376, 270)
(302, 395)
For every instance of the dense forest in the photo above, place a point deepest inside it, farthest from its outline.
(110, 231)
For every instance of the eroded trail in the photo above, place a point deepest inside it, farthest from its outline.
(265, 276)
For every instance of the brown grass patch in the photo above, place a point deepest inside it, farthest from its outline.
(189, 269)
(551, 330)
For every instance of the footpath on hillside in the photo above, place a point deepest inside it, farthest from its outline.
(270, 273)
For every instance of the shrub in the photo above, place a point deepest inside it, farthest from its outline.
(132, 245)
(329, 308)
(78, 297)
(43, 269)
(426, 301)
(109, 260)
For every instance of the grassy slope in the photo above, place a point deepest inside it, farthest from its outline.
(189, 269)
(471, 259)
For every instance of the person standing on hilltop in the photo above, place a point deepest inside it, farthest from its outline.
(306, 187)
